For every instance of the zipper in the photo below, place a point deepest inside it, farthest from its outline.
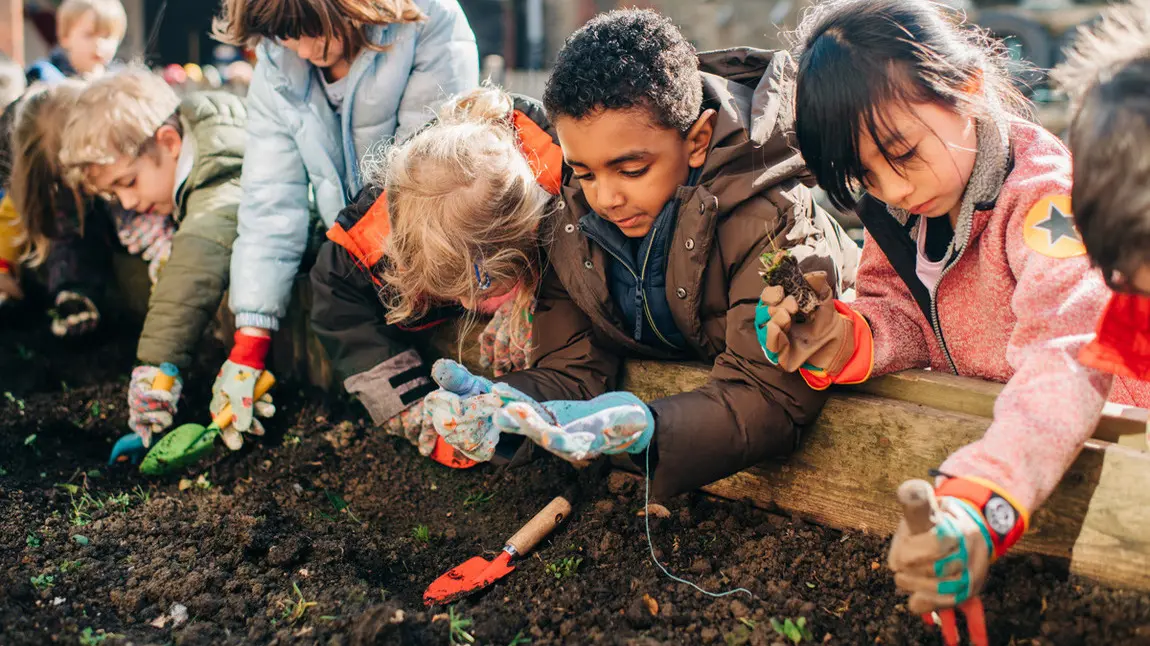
(642, 279)
(935, 320)
(642, 298)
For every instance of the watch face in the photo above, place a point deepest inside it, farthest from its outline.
(1000, 515)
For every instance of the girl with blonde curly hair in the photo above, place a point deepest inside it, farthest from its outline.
(453, 223)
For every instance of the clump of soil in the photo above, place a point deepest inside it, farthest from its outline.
(780, 269)
(328, 531)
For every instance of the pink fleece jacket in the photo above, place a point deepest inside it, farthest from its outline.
(1010, 314)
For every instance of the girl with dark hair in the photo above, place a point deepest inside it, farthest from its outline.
(971, 265)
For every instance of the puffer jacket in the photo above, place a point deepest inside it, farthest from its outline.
(750, 196)
(384, 365)
(299, 146)
(1016, 303)
(192, 283)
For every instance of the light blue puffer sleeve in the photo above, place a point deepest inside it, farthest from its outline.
(446, 63)
(273, 214)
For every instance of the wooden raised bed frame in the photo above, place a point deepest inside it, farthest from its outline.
(872, 437)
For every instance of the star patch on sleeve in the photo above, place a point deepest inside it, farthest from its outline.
(1049, 228)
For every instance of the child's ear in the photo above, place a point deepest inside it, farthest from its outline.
(169, 140)
(699, 138)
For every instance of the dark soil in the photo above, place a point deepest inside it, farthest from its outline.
(330, 507)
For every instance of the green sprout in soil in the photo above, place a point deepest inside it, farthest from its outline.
(519, 640)
(90, 637)
(294, 611)
(142, 495)
(292, 440)
(340, 505)
(32, 540)
(422, 533)
(478, 498)
(458, 628)
(78, 514)
(43, 581)
(70, 566)
(795, 630)
(12, 398)
(564, 567)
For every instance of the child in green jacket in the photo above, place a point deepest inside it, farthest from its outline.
(176, 164)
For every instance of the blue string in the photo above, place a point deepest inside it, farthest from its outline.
(651, 544)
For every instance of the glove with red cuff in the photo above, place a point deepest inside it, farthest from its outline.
(9, 284)
(975, 523)
(236, 384)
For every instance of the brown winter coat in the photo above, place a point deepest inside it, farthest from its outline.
(749, 195)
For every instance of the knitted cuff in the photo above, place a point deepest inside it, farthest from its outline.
(254, 319)
(250, 350)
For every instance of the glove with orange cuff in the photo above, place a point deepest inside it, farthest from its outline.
(975, 523)
(832, 345)
(236, 384)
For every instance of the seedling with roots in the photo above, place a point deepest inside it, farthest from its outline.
(780, 269)
(294, 611)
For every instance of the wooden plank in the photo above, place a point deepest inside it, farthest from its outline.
(12, 29)
(870, 439)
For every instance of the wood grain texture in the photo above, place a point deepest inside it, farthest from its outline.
(872, 437)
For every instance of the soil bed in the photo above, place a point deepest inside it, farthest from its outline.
(313, 535)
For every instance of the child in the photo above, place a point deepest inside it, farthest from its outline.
(334, 78)
(971, 265)
(681, 177)
(89, 32)
(503, 149)
(177, 164)
(68, 236)
(1108, 77)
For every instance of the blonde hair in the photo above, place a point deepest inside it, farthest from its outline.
(462, 199)
(244, 22)
(36, 184)
(116, 116)
(111, 19)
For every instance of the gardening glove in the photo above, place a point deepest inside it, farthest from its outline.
(974, 524)
(236, 384)
(505, 344)
(832, 339)
(150, 409)
(147, 235)
(613, 423)
(74, 315)
(9, 284)
(414, 424)
(462, 409)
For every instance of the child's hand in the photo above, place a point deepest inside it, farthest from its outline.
(74, 315)
(824, 342)
(9, 286)
(236, 385)
(150, 410)
(613, 423)
(505, 344)
(947, 565)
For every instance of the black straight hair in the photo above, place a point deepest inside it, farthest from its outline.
(858, 58)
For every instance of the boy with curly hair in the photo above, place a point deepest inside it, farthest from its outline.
(1107, 74)
(681, 176)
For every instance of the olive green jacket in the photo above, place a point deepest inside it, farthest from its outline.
(194, 280)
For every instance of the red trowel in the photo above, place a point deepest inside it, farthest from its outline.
(477, 573)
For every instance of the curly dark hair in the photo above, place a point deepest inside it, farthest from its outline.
(624, 59)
